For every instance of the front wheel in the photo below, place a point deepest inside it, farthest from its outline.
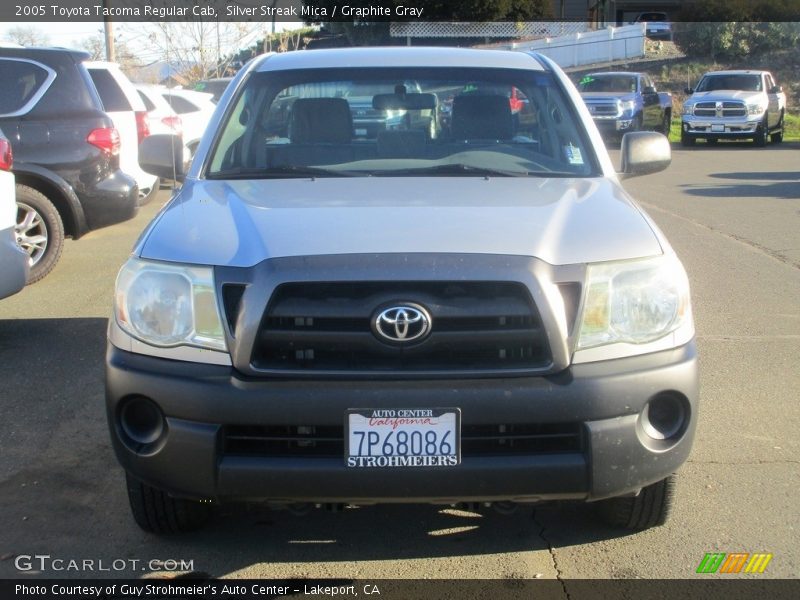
(157, 512)
(777, 137)
(650, 508)
(39, 231)
(146, 195)
(687, 139)
(666, 123)
(762, 134)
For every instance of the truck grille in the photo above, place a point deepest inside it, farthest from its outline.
(315, 441)
(728, 109)
(477, 327)
(603, 109)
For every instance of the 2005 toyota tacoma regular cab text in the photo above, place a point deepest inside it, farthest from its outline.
(469, 312)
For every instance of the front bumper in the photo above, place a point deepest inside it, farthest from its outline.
(14, 264)
(604, 400)
(723, 128)
(611, 127)
(109, 200)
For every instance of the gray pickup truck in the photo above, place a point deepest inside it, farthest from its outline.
(620, 102)
(319, 317)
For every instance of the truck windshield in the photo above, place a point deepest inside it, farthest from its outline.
(619, 84)
(747, 83)
(401, 122)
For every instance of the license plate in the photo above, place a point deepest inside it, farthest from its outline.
(717, 128)
(361, 132)
(408, 437)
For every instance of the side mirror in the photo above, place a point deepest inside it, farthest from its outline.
(776, 89)
(162, 155)
(644, 152)
(689, 91)
(649, 90)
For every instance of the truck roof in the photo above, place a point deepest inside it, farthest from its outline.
(737, 72)
(398, 57)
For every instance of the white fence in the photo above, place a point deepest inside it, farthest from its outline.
(501, 29)
(604, 45)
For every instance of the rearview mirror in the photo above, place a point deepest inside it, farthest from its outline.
(644, 152)
(162, 155)
(776, 89)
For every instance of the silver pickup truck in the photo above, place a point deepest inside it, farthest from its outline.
(621, 102)
(734, 105)
(319, 317)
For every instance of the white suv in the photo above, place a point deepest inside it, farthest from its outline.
(123, 104)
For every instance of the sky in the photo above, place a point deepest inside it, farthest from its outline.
(134, 35)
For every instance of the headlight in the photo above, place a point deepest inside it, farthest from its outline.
(634, 301)
(756, 109)
(168, 305)
(628, 107)
(688, 108)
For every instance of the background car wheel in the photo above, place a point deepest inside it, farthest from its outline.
(145, 196)
(777, 137)
(157, 512)
(651, 508)
(666, 123)
(188, 156)
(39, 231)
(762, 135)
(687, 139)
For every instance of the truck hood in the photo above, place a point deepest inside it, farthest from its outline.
(726, 95)
(241, 223)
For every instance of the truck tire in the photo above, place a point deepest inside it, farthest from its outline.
(651, 508)
(687, 139)
(39, 231)
(147, 195)
(762, 134)
(666, 123)
(157, 512)
(777, 136)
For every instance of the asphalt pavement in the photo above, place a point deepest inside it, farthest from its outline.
(733, 216)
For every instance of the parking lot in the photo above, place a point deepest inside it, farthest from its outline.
(733, 215)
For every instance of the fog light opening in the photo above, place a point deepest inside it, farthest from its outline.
(665, 417)
(142, 421)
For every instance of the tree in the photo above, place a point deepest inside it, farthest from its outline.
(201, 49)
(28, 36)
(96, 46)
(761, 27)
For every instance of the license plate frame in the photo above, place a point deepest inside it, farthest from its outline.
(445, 423)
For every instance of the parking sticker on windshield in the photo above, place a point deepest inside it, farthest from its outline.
(573, 154)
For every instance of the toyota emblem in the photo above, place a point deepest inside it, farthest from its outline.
(402, 324)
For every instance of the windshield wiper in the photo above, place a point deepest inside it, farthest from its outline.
(278, 172)
(451, 169)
